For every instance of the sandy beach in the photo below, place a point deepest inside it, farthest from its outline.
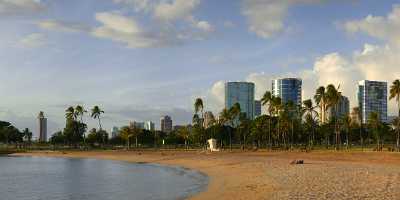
(269, 175)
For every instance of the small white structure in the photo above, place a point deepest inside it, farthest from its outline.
(212, 145)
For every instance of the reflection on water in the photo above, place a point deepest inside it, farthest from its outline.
(34, 178)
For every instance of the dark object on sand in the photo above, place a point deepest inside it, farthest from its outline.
(297, 162)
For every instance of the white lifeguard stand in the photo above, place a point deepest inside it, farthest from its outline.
(212, 145)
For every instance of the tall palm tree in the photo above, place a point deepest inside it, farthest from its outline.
(321, 99)
(96, 114)
(266, 100)
(276, 104)
(184, 133)
(244, 124)
(347, 126)
(333, 99)
(308, 110)
(357, 112)
(211, 123)
(126, 133)
(80, 111)
(28, 135)
(374, 123)
(234, 113)
(70, 113)
(396, 125)
(395, 93)
(223, 119)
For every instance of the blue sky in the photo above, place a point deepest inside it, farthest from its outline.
(141, 59)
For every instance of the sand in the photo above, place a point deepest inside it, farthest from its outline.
(269, 175)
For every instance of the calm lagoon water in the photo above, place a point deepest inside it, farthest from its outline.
(34, 178)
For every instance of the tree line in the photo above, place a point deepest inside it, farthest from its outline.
(284, 126)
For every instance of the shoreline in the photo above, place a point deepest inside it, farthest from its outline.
(269, 175)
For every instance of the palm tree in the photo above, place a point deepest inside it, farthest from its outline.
(243, 128)
(184, 133)
(357, 112)
(308, 110)
(211, 123)
(347, 126)
(333, 99)
(276, 104)
(266, 99)
(321, 98)
(395, 93)
(374, 123)
(126, 133)
(224, 117)
(70, 113)
(96, 113)
(396, 125)
(80, 111)
(28, 135)
(234, 113)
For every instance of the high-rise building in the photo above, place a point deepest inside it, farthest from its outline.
(149, 125)
(138, 125)
(114, 132)
(242, 93)
(288, 89)
(166, 124)
(42, 127)
(355, 116)
(257, 108)
(372, 97)
(208, 118)
(341, 110)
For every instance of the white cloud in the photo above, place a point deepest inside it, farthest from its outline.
(33, 40)
(262, 81)
(126, 30)
(139, 5)
(266, 17)
(204, 26)
(175, 10)
(15, 7)
(385, 28)
(63, 26)
(171, 24)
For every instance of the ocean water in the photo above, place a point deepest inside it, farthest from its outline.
(37, 178)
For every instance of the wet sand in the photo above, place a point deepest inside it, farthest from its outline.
(269, 175)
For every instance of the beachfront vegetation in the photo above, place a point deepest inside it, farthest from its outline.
(284, 126)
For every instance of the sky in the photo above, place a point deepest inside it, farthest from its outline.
(141, 59)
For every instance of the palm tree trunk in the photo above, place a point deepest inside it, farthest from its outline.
(398, 139)
(99, 123)
(361, 136)
(269, 134)
(136, 142)
(347, 139)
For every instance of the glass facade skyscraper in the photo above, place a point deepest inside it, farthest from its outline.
(288, 89)
(372, 97)
(242, 93)
(341, 110)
